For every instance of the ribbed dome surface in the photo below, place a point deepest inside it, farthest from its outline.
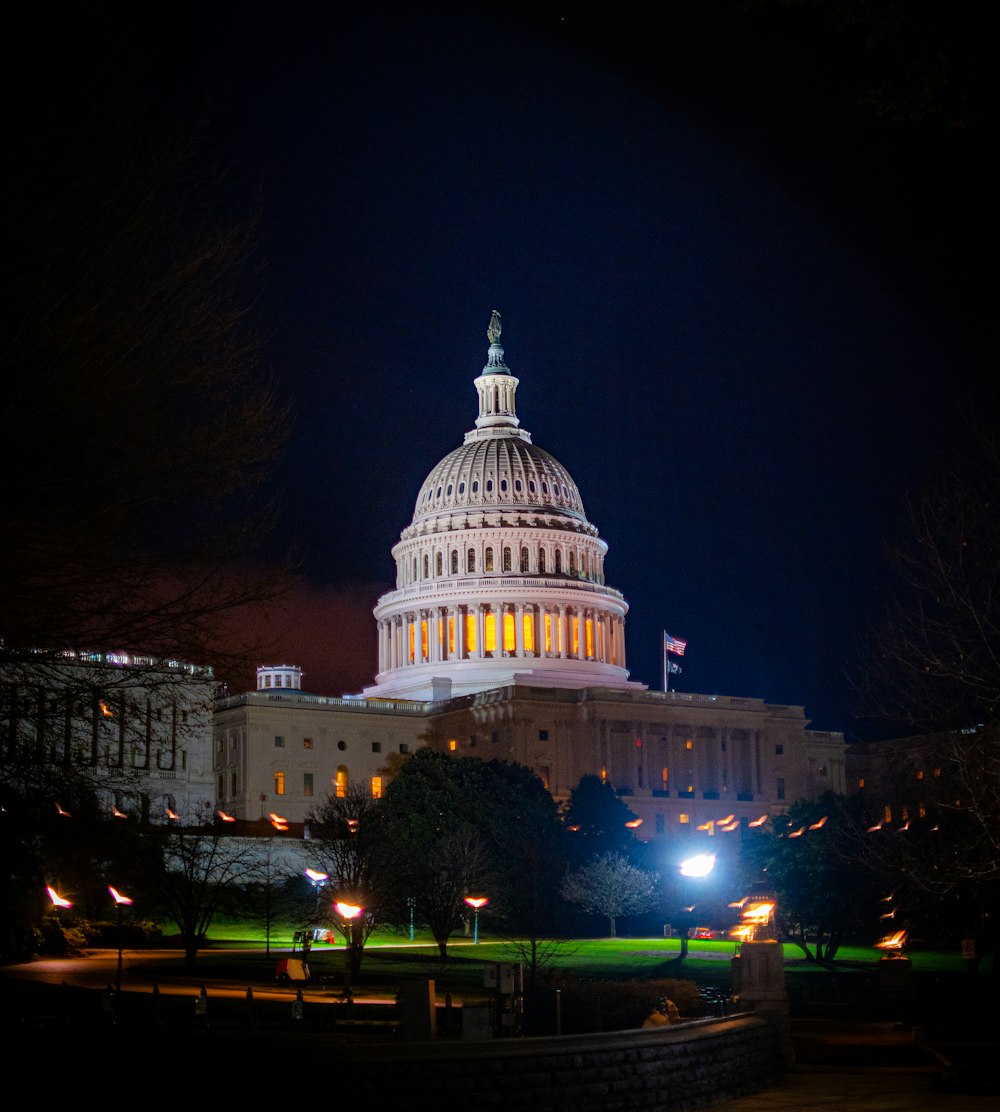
(496, 473)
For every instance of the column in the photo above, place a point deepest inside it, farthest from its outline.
(480, 632)
(519, 628)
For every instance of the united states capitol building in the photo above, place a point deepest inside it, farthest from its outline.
(503, 639)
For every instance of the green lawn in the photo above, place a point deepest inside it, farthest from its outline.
(389, 957)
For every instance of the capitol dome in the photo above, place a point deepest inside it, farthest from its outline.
(499, 575)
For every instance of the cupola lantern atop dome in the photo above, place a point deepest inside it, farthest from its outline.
(499, 576)
(496, 386)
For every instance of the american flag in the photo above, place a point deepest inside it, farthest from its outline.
(674, 644)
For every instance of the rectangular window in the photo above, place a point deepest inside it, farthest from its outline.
(451, 636)
(234, 783)
(279, 741)
(529, 633)
(779, 750)
(490, 632)
(376, 787)
(781, 787)
(222, 787)
(279, 783)
(423, 641)
(470, 633)
(684, 818)
(543, 735)
(403, 747)
(543, 775)
(307, 743)
(588, 636)
(307, 783)
(547, 625)
(376, 747)
(452, 745)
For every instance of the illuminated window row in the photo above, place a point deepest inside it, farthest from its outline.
(516, 629)
(525, 560)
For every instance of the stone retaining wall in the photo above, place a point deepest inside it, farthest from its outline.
(683, 1067)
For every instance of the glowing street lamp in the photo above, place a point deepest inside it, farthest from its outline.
(122, 901)
(476, 902)
(700, 865)
(57, 900)
(349, 913)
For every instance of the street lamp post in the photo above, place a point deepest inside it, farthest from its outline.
(122, 901)
(476, 902)
(349, 913)
(411, 903)
(699, 866)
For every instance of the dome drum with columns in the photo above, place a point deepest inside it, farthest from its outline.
(499, 576)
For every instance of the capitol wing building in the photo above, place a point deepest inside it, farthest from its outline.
(502, 639)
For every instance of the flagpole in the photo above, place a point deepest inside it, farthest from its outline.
(666, 681)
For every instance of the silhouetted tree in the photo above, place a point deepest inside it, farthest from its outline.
(611, 887)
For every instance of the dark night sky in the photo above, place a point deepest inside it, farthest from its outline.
(744, 307)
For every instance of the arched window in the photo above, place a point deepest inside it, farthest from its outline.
(427, 567)
(541, 560)
(454, 561)
(524, 560)
(488, 560)
(572, 562)
(503, 484)
(506, 559)
(438, 565)
(414, 567)
(489, 486)
(470, 562)
(558, 561)
(517, 485)
(531, 486)
(461, 488)
(475, 486)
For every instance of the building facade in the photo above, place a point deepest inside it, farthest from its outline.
(503, 640)
(135, 729)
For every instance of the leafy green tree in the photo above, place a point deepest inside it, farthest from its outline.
(463, 826)
(596, 818)
(826, 891)
(611, 887)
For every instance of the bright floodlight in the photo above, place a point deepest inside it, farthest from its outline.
(699, 865)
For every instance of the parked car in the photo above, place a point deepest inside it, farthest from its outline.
(705, 932)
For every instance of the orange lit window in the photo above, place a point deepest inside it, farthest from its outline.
(452, 745)
(470, 632)
(920, 774)
(340, 782)
(937, 772)
(665, 776)
(451, 636)
(906, 813)
(588, 636)
(508, 632)
(604, 775)
(410, 628)
(684, 818)
(279, 783)
(376, 787)
(423, 640)
(529, 633)
(888, 813)
(861, 782)
(575, 635)
(921, 810)
(689, 744)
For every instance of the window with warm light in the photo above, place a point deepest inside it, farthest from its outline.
(509, 643)
(376, 787)
(683, 818)
(452, 745)
(451, 636)
(604, 775)
(488, 560)
(423, 640)
(470, 632)
(547, 626)
(588, 639)
(689, 744)
(887, 814)
(490, 632)
(529, 633)
(340, 782)
(412, 639)
(279, 783)
(575, 634)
